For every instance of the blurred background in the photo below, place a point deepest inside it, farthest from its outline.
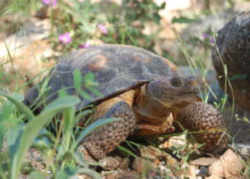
(34, 33)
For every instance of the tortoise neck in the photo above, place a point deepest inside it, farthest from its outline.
(148, 108)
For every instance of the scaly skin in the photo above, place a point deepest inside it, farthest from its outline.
(107, 138)
(148, 110)
(207, 125)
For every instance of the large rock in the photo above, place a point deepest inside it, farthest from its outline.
(22, 53)
(231, 59)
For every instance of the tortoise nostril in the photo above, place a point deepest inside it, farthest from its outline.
(176, 82)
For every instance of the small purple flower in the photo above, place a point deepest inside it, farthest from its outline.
(205, 36)
(212, 40)
(65, 38)
(85, 45)
(209, 38)
(102, 28)
(50, 2)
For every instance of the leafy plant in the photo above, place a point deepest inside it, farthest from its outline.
(63, 147)
(74, 23)
(128, 25)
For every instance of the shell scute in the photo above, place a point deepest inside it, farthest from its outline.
(116, 68)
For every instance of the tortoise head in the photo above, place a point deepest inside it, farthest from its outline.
(173, 93)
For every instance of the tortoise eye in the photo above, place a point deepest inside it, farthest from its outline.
(176, 82)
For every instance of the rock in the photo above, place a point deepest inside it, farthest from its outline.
(140, 164)
(213, 177)
(232, 52)
(203, 161)
(232, 164)
(120, 174)
(23, 53)
(229, 165)
(243, 149)
(232, 49)
(112, 163)
(82, 176)
(216, 169)
(31, 31)
(179, 141)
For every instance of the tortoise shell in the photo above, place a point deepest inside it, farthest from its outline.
(116, 68)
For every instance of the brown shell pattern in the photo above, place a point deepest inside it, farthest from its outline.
(116, 68)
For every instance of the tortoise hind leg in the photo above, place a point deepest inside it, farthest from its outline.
(106, 138)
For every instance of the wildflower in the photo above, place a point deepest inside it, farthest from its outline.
(65, 38)
(49, 2)
(205, 36)
(209, 38)
(85, 45)
(212, 40)
(102, 28)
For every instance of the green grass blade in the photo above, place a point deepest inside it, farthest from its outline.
(37, 175)
(126, 151)
(61, 103)
(78, 84)
(20, 106)
(68, 125)
(184, 20)
(34, 126)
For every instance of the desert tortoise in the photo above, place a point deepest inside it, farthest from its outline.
(139, 87)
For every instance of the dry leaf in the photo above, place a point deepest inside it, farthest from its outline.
(203, 161)
(110, 163)
(141, 164)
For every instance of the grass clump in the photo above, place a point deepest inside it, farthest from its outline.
(59, 151)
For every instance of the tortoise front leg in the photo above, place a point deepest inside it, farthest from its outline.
(106, 138)
(206, 124)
